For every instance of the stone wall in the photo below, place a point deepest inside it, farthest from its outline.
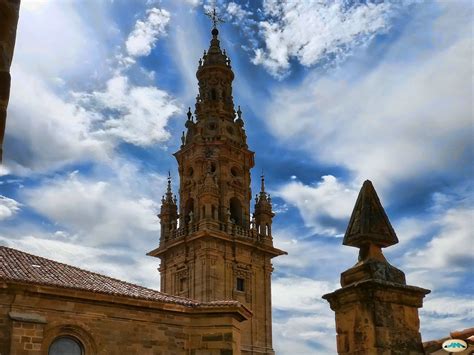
(9, 10)
(209, 267)
(31, 317)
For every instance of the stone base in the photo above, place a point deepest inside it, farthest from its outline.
(377, 317)
(372, 270)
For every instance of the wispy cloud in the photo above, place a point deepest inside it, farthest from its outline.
(323, 206)
(97, 212)
(146, 32)
(402, 118)
(313, 31)
(134, 114)
(451, 247)
(8, 207)
(82, 125)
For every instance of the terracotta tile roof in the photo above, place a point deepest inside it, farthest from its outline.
(19, 266)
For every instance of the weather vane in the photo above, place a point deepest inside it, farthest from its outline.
(214, 17)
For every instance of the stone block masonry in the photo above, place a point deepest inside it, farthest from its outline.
(376, 312)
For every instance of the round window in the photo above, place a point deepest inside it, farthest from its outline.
(66, 346)
(234, 171)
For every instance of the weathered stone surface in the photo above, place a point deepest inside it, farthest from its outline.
(9, 10)
(110, 324)
(376, 312)
(369, 222)
(376, 317)
(27, 317)
(373, 270)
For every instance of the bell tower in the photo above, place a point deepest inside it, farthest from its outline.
(213, 249)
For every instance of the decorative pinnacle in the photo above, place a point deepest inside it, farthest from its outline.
(214, 18)
(168, 190)
(263, 182)
(239, 113)
(189, 114)
(369, 223)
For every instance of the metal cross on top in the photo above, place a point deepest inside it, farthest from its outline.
(214, 17)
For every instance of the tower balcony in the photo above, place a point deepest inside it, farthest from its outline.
(231, 229)
(210, 228)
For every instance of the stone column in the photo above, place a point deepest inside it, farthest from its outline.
(9, 10)
(376, 312)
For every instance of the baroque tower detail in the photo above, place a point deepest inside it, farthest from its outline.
(213, 249)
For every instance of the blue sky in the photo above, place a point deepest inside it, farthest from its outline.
(332, 93)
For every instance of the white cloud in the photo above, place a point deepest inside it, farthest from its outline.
(442, 315)
(322, 206)
(86, 126)
(306, 254)
(307, 318)
(311, 31)
(312, 333)
(49, 125)
(45, 131)
(235, 10)
(142, 39)
(401, 118)
(300, 294)
(192, 3)
(83, 48)
(99, 212)
(452, 247)
(8, 207)
(33, 5)
(139, 113)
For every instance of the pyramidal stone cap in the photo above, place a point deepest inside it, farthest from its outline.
(369, 223)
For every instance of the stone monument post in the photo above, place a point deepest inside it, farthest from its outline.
(376, 311)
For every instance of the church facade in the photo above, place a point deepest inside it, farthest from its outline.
(215, 266)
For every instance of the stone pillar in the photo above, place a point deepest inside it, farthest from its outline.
(376, 312)
(9, 10)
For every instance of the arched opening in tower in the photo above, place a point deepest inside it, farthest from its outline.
(189, 211)
(236, 211)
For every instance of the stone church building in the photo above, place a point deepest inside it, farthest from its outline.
(215, 259)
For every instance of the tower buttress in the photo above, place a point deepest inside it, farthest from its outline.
(215, 252)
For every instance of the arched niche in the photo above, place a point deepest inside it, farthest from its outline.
(235, 207)
(188, 208)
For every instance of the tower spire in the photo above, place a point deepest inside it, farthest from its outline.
(214, 17)
(369, 223)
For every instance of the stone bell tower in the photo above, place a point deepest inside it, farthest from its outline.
(213, 249)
